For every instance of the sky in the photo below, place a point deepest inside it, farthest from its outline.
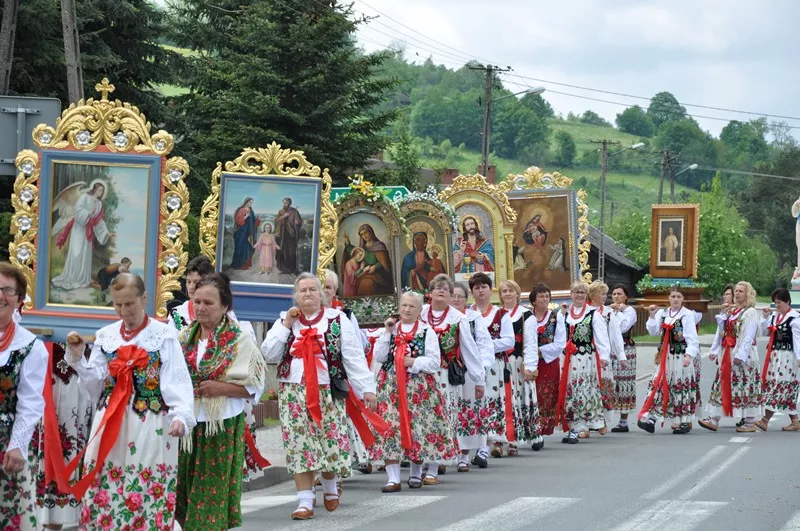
(132, 226)
(269, 196)
(732, 54)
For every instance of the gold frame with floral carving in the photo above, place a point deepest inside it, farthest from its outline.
(270, 162)
(535, 184)
(108, 129)
(475, 189)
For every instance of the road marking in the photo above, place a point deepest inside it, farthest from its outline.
(706, 480)
(793, 524)
(257, 503)
(361, 514)
(672, 516)
(684, 474)
(517, 513)
(740, 440)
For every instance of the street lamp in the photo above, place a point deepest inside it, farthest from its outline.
(487, 118)
(689, 167)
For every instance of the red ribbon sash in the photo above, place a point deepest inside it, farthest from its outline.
(509, 413)
(129, 357)
(362, 418)
(401, 349)
(661, 378)
(768, 357)
(307, 348)
(190, 311)
(260, 460)
(569, 351)
(54, 469)
(728, 342)
(371, 350)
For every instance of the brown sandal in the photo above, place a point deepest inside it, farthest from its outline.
(762, 424)
(583, 434)
(512, 451)
(794, 426)
(708, 424)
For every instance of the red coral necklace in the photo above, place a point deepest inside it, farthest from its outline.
(128, 335)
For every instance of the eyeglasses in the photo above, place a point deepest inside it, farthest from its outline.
(579, 293)
(444, 287)
(8, 291)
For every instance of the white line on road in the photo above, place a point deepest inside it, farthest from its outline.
(793, 524)
(713, 475)
(672, 516)
(361, 514)
(690, 469)
(521, 512)
(740, 440)
(257, 503)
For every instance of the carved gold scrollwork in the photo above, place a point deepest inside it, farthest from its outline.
(271, 160)
(25, 221)
(478, 183)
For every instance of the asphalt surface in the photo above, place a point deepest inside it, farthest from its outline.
(703, 480)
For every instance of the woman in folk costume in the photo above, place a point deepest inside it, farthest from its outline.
(460, 361)
(598, 292)
(498, 379)
(408, 397)
(721, 317)
(23, 371)
(227, 369)
(672, 392)
(551, 338)
(473, 426)
(359, 453)
(736, 391)
(624, 373)
(181, 318)
(779, 385)
(523, 423)
(580, 405)
(318, 352)
(138, 373)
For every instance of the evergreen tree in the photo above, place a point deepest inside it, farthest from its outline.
(287, 72)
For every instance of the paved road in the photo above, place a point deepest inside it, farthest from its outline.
(628, 481)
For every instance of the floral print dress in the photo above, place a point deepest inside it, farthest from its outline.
(779, 375)
(135, 486)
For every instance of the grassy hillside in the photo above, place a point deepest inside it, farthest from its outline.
(583, 133)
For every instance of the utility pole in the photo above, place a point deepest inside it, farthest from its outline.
(613, 207)
(601, 262)
(672, 183)
(72, 51)
(489, 71)
(668, 157)
(8, 32)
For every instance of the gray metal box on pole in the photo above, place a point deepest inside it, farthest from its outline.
(18, 117)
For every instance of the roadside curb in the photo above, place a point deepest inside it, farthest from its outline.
(273, 475)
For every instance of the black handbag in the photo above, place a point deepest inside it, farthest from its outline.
(456, 373)
(339, 389)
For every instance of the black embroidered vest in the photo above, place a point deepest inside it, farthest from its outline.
(783, 335)
(9, 381)
(583, 334)
(333, 351)
(519, 327)
(416, 348)
(549, 334)
(146, 386)
(677, 343)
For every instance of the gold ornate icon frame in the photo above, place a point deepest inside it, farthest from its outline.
(107, 133)
(285, 167)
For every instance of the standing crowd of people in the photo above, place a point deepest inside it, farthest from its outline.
(146, 424)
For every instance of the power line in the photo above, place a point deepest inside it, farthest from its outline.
(743, 172)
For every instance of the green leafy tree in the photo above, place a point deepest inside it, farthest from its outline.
(540, 106)
(665, 108)
(565, 148)
(634, 120)
(694, 145)
(515, 128)
(633, 231)
(286, 72)
(406, 158)
(592, 118)
(745, 143)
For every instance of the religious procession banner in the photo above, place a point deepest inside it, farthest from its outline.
(78, 215)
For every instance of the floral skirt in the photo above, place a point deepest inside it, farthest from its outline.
(583, 406)
(311, 448)
(74, 414)
(431, 432)
(359, 454)
(251, 470)
(683, 386)
(781, 385)
(496, 399)
(136, 486)
(525, 404)
(210, 477)
(698, 362)
(745, 389)
(17, 491)
(625, 382)
(547, 394)
(607, 386)
(471, 425)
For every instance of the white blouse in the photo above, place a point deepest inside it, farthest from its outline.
(175, 383)
(506, 340)
(795, 326)
(355, 363)
(745, 341)
(614, 332)
(430, 362)
(246, 326)
(531, 347)
(30, 400)
(234, 405)
(627, 318)
(687, 319)
(469, 348)
(482, 338)
(599, 331)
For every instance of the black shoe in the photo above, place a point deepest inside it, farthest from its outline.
(480, 461)
(570, 438)
(740, 423)
(683, 429)
(649, 427)
(537, 446)
(620, 429)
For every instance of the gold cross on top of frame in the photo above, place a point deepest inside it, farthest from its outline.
(104, 88)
